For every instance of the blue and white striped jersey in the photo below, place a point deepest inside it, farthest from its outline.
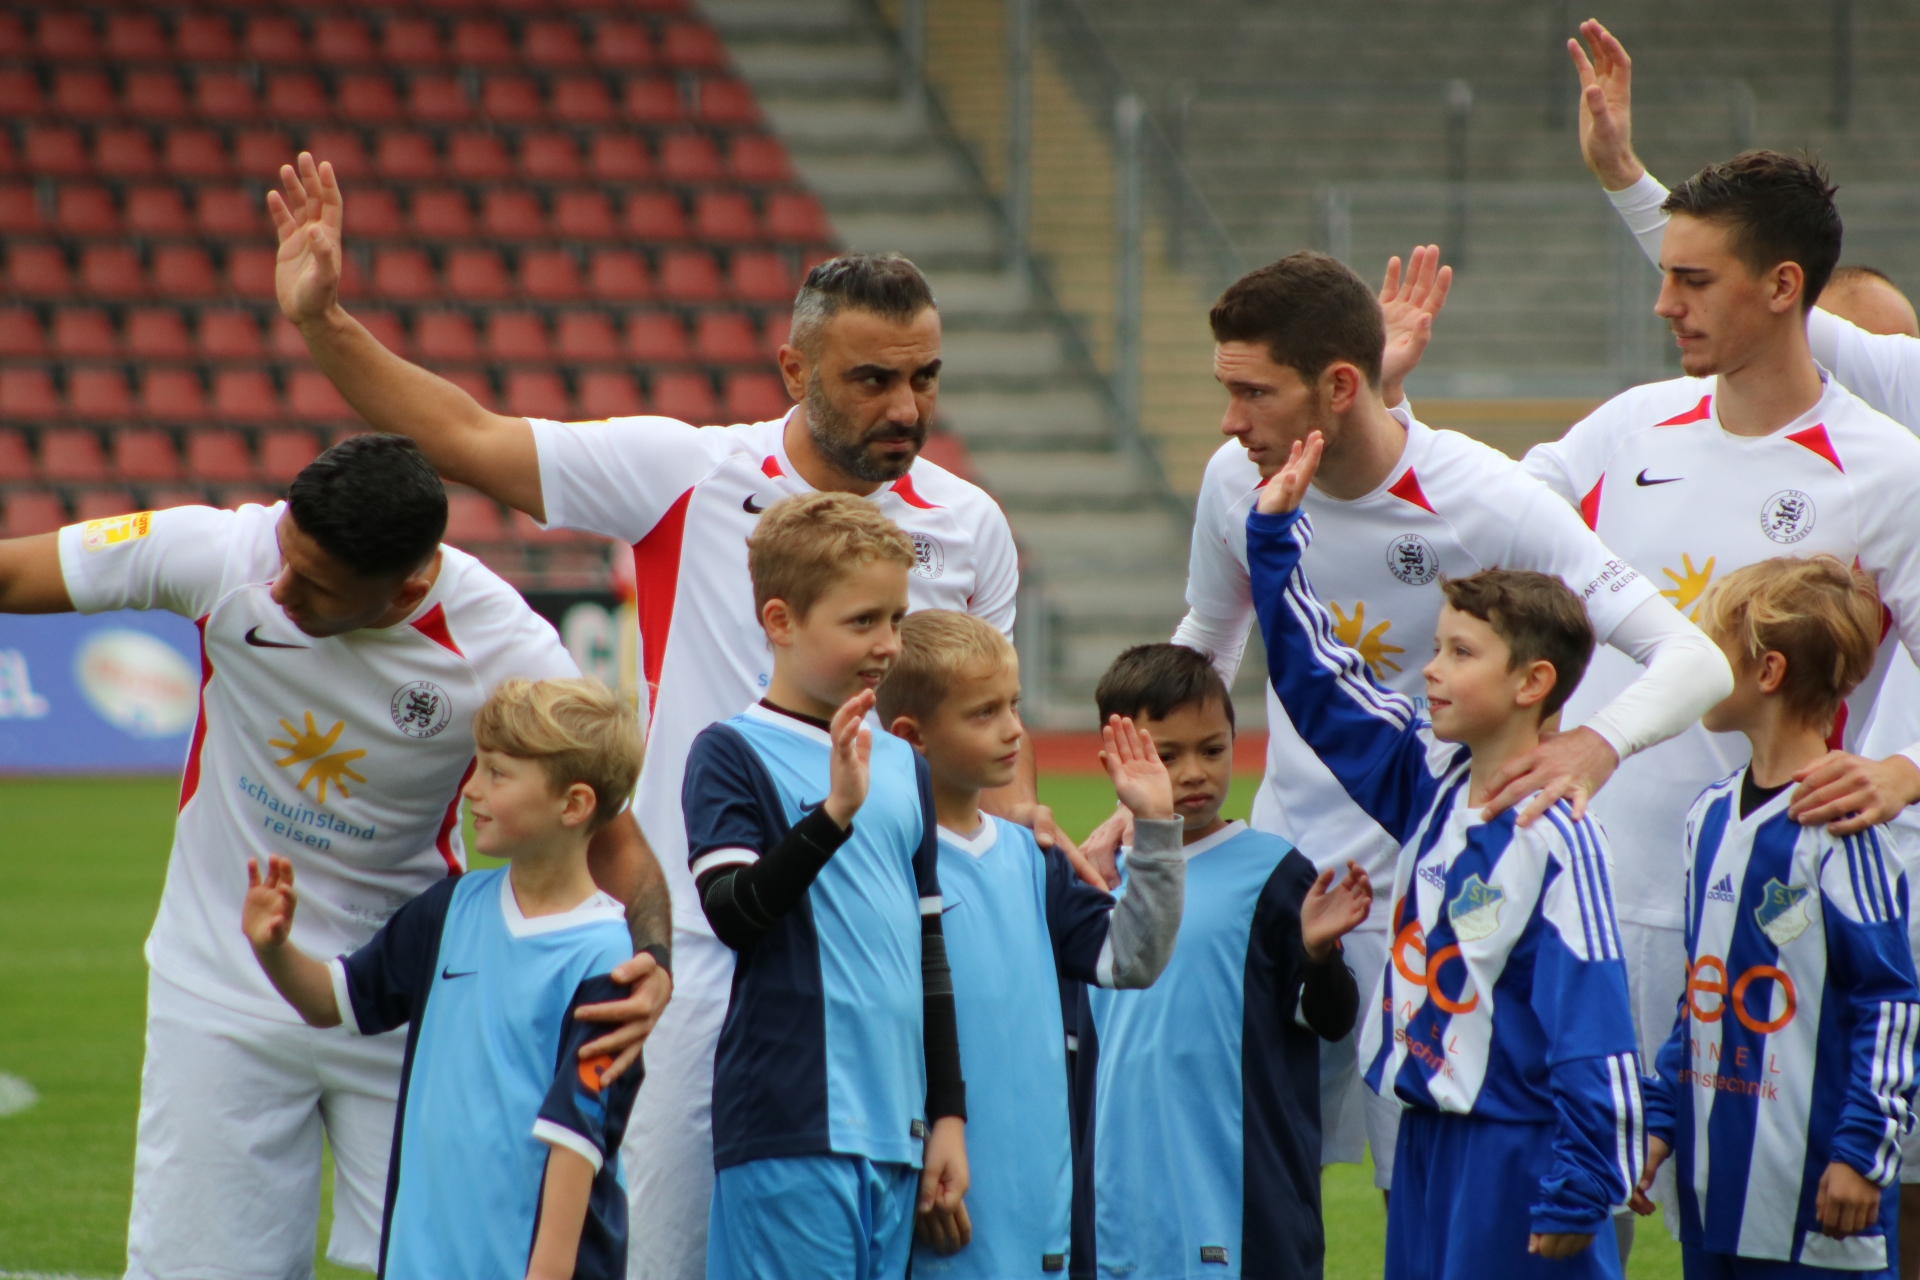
(1504, 995)
(1801, 937)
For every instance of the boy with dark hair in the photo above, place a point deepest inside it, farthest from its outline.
(1199, 1098)
(1501, 1020)
(1787, 1084)
(839, 1059)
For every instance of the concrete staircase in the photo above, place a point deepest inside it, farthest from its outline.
(1103, 543)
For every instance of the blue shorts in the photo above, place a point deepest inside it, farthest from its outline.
(1699, 1264)
(811, 1218)
(1461, 1206)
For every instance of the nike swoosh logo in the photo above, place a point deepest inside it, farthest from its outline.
(948, 907)
(253, 638)
(749, 508)
(1643, 482)
(448, 973)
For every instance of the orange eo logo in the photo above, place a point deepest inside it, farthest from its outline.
(1413, 940)
(592, 1069)
(1707, 980)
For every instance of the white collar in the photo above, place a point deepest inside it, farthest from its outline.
(598, 907)
(1191, 851)
(977, 844)
(790, 723)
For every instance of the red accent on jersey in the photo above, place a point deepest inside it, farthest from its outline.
(444, 841)
(770, 466)
(1590, 505)
(190, 778)
(434, 628)
(1407, 489)
(656, 579)
(1886, 614)
(1836, 741)
(1815, 438)
(903, 489)
(1699, 413)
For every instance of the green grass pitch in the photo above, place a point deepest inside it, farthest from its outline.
(81, 866)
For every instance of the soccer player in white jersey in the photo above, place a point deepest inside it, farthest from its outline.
(343, 654)
(1398, 507)
(864, 362)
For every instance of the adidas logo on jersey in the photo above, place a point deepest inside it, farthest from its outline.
(1723, 892)
(1434, 875)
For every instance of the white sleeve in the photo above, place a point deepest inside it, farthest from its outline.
(1549, 536)
(996, 570)
(1219, 592)
(1686, 675)
(1887, 548)
(618, 478)
(505, 639)
(175, 560)
(1639, 207)
(1882, 369)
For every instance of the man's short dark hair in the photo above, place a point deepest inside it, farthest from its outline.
(373, 503)
(885, 284)
(1309, 310)
(1538, 616)
(1159, 679)
(1779, 207)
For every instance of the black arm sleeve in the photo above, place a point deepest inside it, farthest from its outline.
(1329, 997)
(744, 902)
(946, 1089)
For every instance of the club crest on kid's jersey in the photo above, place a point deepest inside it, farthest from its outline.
(1782, 913)
(1475, 912)
(325, 766)
(1787, 516)
(1412, 559)
(929, 557)
(420, 709)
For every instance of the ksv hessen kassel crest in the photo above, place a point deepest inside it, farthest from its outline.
(421, 709)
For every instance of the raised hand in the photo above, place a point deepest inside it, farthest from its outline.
(1409, 304)
(307, 217)
(1283, 492)
(1331, 910)
(1606, 108)
(267, 914)
(852, 748)
(1139, 778)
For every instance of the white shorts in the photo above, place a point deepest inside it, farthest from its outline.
(226, 1168)
(1352, 1116)
(668, 1153)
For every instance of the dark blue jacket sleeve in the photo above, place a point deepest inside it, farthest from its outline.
(1079, 917)
(940, 1021)
(724, 796)
(388, 979)
(580, 1112)
(1372, 739)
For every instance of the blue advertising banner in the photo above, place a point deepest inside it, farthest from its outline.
(111, 693)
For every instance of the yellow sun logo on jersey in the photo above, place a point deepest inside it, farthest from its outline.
(328, 766)
(1371, 645)
(1688, 587)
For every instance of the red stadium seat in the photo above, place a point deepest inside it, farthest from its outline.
(205, 37)
(19, 209)
(13, 36)
(224, 95)
(550, 275)
(124, 153)
(724, 217)
(582, 100)
(19, 94)
(477, 275)
(28, 393)
(581, 335)
(689, 157)
(84, 95)
(552, 43)
(36, 270)
(158, 211)
(219, 456)
(56, 149)
(230, 335)
(652, 100)
(283, 454)
(513, 215)
(136, 37)
(286, 340)
(483, 42)
(619, 157)
(173, 395)
(98, 393)
(779, 329)
(657, 337)
(154, 95)
(538, 393)
(755, 157)
(608, 394)
(407, 156)
(412, 42)
(144, 454)
(756, 397)
(445, 335)
(250, 273)
(583, 215)
(158, 333)
(259, 153)
(113, 270)
(475, 382)
(297, 95)
(16, 463)
(313, 398)
(20, 332)
(244, 395)
(761, 277)
(86, 210)
(619, 275)
(403, 274)
(512, 100)
(795, 215)
(98, 504)
(516, 335)
(621, 44)
(30, 513)
(689, 275)
(229, 212)
(196, 153)
(724, 100)
(474, 519)
(342, 40)
(438, 99)
(341, 148)
(478, 157)
(692, 45)
(376, 214)
(181, 271)
(84, 331)
(72, 454)
(549, 157)
(442, 213)
(273, 38)
(169, 498)
(726, 337)
(686, 396)
(66, 36)
(370, 98)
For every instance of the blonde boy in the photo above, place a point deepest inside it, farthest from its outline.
(838, 1105)
(508, 1165)
(1020, 919)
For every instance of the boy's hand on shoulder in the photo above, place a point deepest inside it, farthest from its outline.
(1139, 777)
(940, 1213)
(1555, 1245)
(1847, 1203)
(1657, 1152)
(852, 749)
(267, 914)
(1331, 910)
(1286, 487)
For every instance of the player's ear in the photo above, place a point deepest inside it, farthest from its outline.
(777, 619)
(795, 369)
(1789, 282)
(578, 805)
(1341, 383)
(1772, 671)
(906, 728)
(1537, 684)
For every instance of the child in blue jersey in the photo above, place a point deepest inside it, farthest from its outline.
(1501, 1019)
(838, 1106)
(1016, 919)
(1787, 1084)
(506, 1158)
(1199, 1100)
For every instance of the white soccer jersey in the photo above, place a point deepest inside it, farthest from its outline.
(1450, 507)
(688, 498)
(1684, 501)
(345, 755)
